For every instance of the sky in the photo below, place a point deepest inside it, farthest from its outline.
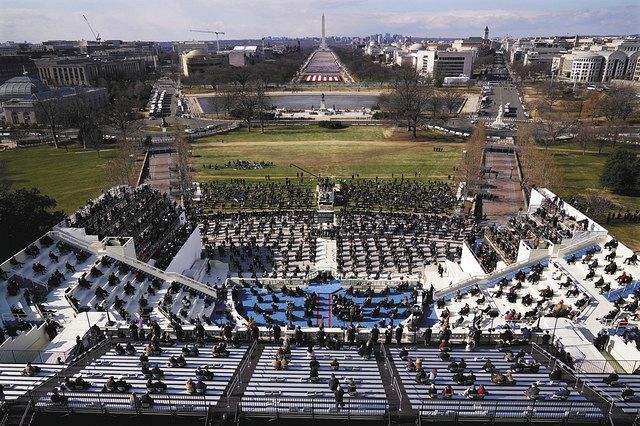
(164, 20)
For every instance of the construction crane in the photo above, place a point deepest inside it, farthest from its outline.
(217, 33)
(96, 36)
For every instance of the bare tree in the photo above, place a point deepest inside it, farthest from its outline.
(121, 116)
(586, 137)
(91, 134)
(549, 132)
(452, 99)
(262, 101)
(183, 164)
(242, 76)
(409, 98)
(51, 110)
(244, 105)
(123, 168)
(538, 165)
(471, 163)
(436, 103)
(619, 102)
(611, 131)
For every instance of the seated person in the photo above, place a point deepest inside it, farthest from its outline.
(314, 363)
(81, 383)
(561, 394)
(352, 387)
(470, 378)
(627, 393)
(471, 392)
(556, 374)
(432, 391)
(58, 399)
(30, 370)
(458, 377)
(146, 400)
(177, 361)
(335, 365)
(488, 366)
(447, 392)
(482, 392)
(611, 379)
(110, 385)
(533, 393)
(122, 385)
(130, 349)
(201, 387)
(404, 354)
(119, 349)
(190, 387)
(421, 376)
(190, 350)
(204, 372)
(157, 372)
(411, 366)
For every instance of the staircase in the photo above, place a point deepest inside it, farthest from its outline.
(21, 412)
(326, 250)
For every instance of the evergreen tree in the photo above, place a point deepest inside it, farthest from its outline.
(621, 173)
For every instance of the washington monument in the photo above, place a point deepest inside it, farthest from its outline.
(323, 41)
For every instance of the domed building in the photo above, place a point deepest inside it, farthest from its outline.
(198, 61)
(22, 87)
(22, 99)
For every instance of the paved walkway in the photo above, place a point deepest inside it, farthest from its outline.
(506, 186)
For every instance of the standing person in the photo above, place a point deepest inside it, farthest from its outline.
(427, 336)
(277, 331)
(399, 332)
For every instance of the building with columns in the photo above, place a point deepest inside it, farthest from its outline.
(82, 71)
(22, 99)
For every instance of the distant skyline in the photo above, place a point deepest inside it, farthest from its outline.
(164, 20)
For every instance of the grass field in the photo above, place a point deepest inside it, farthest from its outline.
(362, 150)
(581, 174)
(71, 177)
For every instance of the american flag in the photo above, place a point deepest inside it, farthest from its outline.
(320, 77)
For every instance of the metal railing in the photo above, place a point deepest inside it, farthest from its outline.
(312, 407)
(88, 402)
(10, 356)
(461, 409)
(391, 370)
(237, 380)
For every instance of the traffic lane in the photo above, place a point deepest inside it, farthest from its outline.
(501, 96)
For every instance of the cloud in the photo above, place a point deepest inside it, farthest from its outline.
(35, 20)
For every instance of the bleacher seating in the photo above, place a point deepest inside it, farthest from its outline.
(175, 378)
(142, 213)
(613, 393)
(31, 274)
(328, 304)
(16, 384)
(293, 382)
(419, 398)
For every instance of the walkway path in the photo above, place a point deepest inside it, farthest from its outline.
(505, 185)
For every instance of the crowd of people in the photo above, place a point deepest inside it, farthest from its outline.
(277, 244)
(243, 194)
(241, 165)
(142, 213)
(376, 244)
(398, 194)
